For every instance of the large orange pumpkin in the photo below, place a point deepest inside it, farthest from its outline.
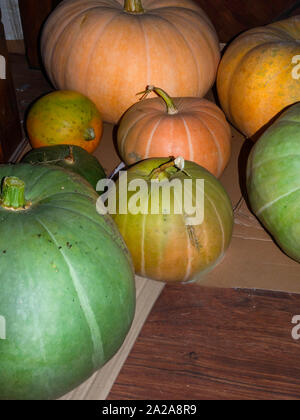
(193, 128)
(111, 49)
(259, 76)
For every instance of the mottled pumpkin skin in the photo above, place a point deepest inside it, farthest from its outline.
(255, 77)
(199, 132)
(162, 246)
(273, 181)
(108, 54)
(64, 117)
(67, 287)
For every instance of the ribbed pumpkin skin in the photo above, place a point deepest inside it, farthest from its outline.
(199, 132)
(273, 180)
(66, 286)
(162, 246)
(98, 49)
(254, 79)
(72, 158)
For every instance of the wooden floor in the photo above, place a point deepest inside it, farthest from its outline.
(203, 343)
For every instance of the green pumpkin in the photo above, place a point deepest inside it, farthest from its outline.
(73, 158)
(273, 181)
(67, 292)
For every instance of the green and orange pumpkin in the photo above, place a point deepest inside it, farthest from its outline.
(64, 117)
(166, 242)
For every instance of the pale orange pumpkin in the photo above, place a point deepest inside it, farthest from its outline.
(193, 128)
(110, 49)
(259, 74)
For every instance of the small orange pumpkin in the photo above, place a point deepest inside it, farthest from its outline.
(193, 128)
(64, 117)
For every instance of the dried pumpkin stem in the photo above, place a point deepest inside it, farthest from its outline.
(173, 163)
(13, 193)
(171, 108)
(70, 158)
(133, 6)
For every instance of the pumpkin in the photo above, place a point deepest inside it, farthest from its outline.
(67, 292)
(273, 181)
(259, 76)
(169, 243)
(72, 158)
(64, 117)
(193, 128)
(109, 50)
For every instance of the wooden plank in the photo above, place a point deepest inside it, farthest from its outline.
(206, 343)
(10, 128)
(16, 46)
(11, 19)
(33, 15)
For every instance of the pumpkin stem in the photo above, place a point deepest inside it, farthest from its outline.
(171, 108)
(133, 6)
(89, 134)
(70, 158)
(177, 163)
(13, 194)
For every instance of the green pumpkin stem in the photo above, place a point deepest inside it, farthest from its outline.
(13, 193)
(133, 6)
(171, 108)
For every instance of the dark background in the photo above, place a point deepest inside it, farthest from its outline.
(198, 342)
